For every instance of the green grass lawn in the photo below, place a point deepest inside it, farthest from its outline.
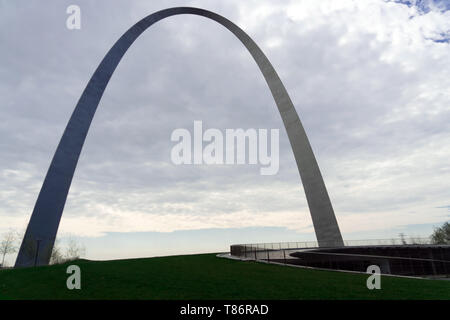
(206, 276)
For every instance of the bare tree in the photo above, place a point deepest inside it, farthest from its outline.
(402, 238)
(57, 256)
(74, 250)
(418, 240)
(60, 254)
(27, 244)
(7, 244)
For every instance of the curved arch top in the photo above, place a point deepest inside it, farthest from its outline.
(41, 232)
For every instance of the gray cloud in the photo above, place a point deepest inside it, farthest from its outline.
(373, 97)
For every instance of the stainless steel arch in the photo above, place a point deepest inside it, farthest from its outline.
(40, 235)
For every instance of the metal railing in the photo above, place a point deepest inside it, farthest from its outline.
(248, 250)
(398, 256)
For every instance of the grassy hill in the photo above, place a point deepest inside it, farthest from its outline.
(206, 277)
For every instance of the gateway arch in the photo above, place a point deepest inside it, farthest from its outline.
(41, 232)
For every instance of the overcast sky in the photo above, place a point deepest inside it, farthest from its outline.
(370, 81)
